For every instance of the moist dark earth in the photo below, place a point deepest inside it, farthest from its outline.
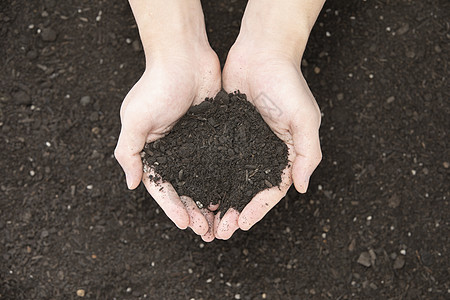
(220, 152)
(373, 225)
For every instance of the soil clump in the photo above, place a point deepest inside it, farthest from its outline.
(221, 151)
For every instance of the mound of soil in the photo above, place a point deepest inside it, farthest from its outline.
(221, 151)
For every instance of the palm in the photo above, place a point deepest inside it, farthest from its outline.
(157, 101)
(278, 90)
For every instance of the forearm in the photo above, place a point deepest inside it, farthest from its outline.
(282, 25)
(168, 24)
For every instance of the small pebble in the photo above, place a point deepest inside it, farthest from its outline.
(268, 183)
(364, 259)
(32, 54)
(394, 201)
(403, 29)
(136, 45)
(81, 293)
(399, 262)
(85, 100)
(390, 99)
(48, 35)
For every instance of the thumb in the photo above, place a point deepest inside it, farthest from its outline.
(308, 154)
(127, 153)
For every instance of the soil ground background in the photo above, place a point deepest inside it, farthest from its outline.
(380, 197)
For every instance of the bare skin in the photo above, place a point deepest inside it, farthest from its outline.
(182, 70)
(264, 63)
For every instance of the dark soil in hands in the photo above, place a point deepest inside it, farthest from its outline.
(221, 151)
(380, 196)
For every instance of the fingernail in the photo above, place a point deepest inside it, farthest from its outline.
(305, 184)
(129, 181)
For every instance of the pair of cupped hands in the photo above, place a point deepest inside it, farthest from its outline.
(181, 78)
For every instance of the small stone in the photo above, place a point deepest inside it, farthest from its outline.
(22, 98)
(390, 99)
(95, 130)
(394, 201)
(93, 116)
(426, 258)
(446, 164)
(352, 245)
(437, 49)
(373, 286)
(316, 70)
(81, 293)
(340, 96)
(364, 259)
(399, 262)
(32, 54)
(403, 29)
(137, 46)
(44, 234)
(85, 100)
(60, 275)
(48, 35)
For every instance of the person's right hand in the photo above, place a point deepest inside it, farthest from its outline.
(170, 85)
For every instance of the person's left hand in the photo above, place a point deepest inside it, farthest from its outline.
(275, 85)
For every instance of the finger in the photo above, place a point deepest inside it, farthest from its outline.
(260, 205)
(127, 153)
(228, 224)
(209, 235)
(168, 199)
(308, 153)
(216, 223)
(132, 138)
(213, 207)
(197, 221)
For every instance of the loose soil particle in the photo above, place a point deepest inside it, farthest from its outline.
(221, 151)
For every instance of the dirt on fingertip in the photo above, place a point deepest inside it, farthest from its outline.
(221, 151)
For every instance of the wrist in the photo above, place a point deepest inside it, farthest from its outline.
(168, 27)
(279, 26)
